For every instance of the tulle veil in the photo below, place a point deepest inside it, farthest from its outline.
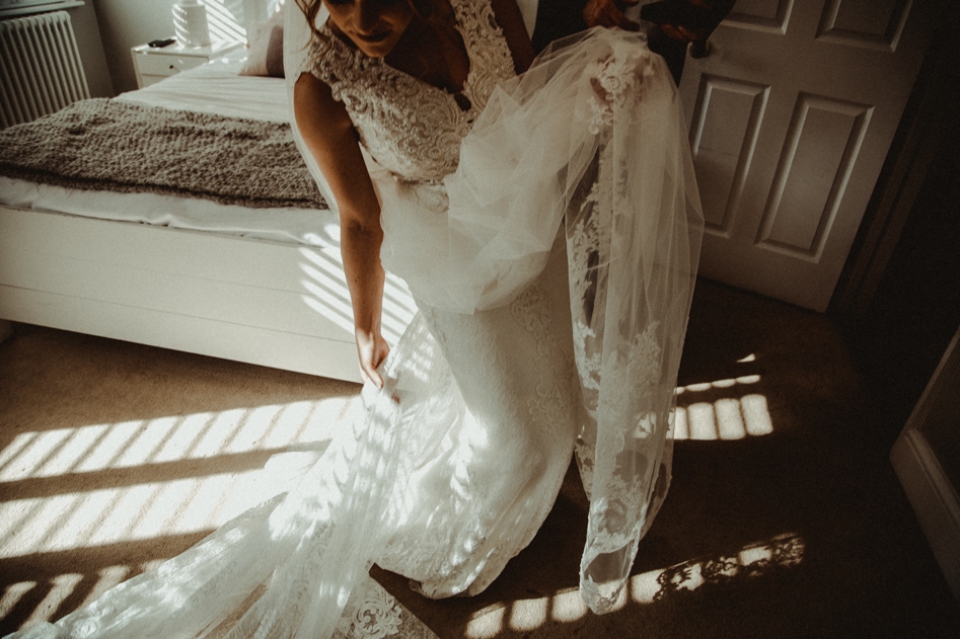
(590, 142)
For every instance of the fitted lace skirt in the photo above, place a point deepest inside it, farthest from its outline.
(479, 497)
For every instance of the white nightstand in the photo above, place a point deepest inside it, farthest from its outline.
(155, 64)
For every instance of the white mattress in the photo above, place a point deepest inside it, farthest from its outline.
(211, 88)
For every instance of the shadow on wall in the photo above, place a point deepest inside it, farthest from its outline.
(125, 24)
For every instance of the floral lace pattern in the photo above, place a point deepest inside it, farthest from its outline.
(507, 453)
(626, 344)
(553, 404)
(618, 83)
(377, 615)
(504, 474)
(411, 128)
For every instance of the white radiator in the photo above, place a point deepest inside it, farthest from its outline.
(40, 68)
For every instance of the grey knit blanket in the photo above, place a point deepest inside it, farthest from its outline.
(112, 145)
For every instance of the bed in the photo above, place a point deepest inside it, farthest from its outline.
(263, 286)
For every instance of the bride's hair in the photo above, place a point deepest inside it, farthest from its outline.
(422, 8)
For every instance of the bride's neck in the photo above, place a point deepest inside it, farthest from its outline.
(432, 51)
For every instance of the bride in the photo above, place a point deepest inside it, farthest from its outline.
(547, 222)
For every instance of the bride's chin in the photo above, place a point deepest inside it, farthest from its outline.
(376, 49)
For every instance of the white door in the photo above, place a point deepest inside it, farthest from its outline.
(790, 118)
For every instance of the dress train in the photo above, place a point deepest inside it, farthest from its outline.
(288, 568)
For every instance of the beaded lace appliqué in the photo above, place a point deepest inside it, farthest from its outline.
(411, 128)
(622, 467)
(553, 404)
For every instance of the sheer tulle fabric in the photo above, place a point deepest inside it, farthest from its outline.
(591, 138)
(634, 247)
(287, 568)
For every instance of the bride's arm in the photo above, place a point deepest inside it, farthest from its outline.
(332, 140)
(511, 22)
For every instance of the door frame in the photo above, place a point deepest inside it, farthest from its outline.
(934, 498)
(932, 106)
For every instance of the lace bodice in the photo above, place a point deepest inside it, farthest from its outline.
(409, 127)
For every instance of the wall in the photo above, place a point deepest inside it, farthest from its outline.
(125, 24)
(916, 314)
(930, 244)
(89, 41)
(916, 310)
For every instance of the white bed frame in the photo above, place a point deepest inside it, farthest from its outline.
(267, 303)
(262, 302)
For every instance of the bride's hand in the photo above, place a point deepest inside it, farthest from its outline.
(607, 13)
(372, 349)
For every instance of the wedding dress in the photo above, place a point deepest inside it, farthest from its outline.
(478, 501)
(549, 229)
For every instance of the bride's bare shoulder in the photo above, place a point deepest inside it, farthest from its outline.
(313, 101)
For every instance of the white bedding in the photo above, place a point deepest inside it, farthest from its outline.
(216, 88)
(211, 88)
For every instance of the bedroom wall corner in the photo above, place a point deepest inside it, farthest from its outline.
(125, 24)
(87, 31)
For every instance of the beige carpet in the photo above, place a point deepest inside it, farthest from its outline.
(785, 518)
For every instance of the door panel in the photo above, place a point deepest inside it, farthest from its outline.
(876, 24)
(726, 123)
(823, 141)
(790, 118)
(763, 15)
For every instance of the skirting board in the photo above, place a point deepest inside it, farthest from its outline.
(934, 501)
